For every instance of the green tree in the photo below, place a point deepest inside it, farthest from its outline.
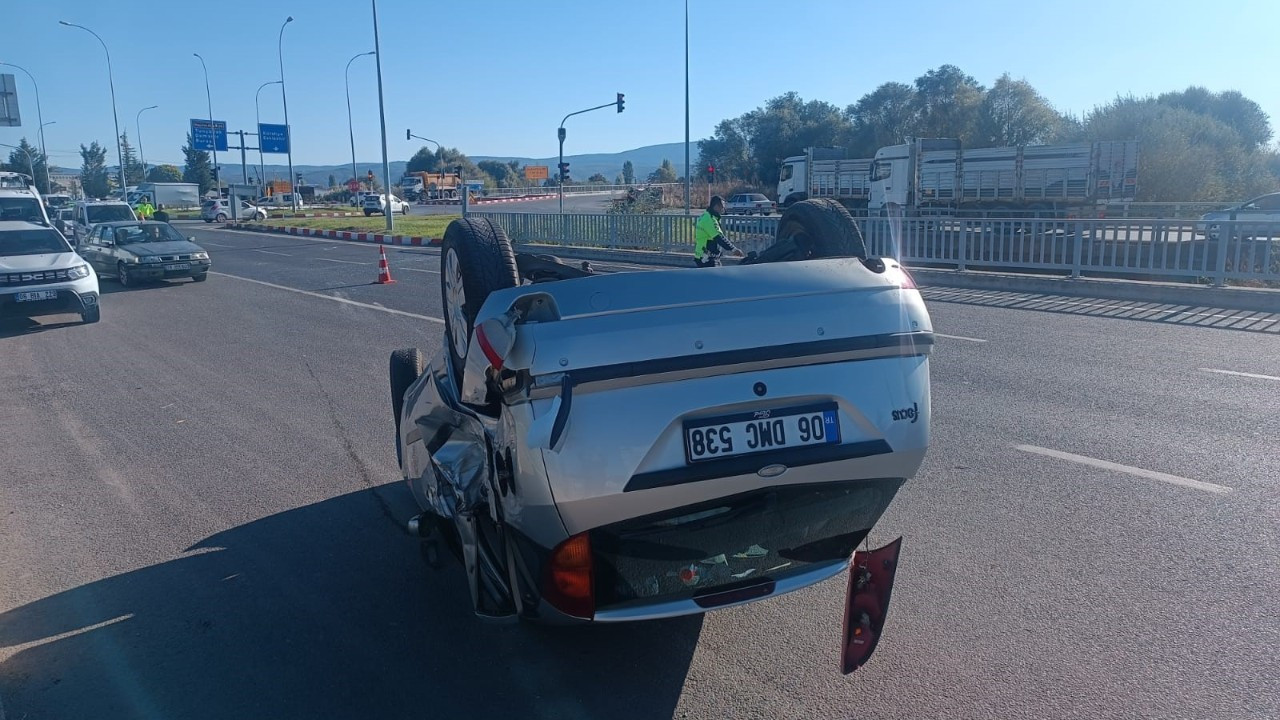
(885, 116)
(93, 171)
(1229, 107)
(28, 160)
(333, 181)
(441, 160)
(729, 150)
(628, 173)
(197, 169)
(132, 166)
(666, 173)
(598, 178)
(164, 174)
(1013, 113)
(948, 103)
(503, 174)
(619, 180)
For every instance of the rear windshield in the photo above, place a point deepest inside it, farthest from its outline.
(32, 242)
(109, 213)
(21, 208)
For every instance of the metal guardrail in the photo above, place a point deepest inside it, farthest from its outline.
(1138, 248)
(573, 189)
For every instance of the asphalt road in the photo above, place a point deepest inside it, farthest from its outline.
(573, 203)
(201, 518)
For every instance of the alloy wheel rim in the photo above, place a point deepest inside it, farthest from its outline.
(456, 300)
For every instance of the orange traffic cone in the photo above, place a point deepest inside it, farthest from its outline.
(384, 272)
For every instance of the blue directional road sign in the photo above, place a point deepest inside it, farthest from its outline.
(273, 138)
(208, 136)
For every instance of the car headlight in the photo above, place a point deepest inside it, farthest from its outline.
(78, 272)
(201, 256)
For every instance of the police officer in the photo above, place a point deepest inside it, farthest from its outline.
(145, 209)
(708, 238)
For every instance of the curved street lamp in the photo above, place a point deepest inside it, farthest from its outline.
(112, 82)
(257, 115)
(350, 128)
(284, 96)
(48, 183)
(142, 155)
(212, 131)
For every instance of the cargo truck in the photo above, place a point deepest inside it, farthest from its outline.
(429, 186)
(171, 195)
(825, 172)
(936, 176)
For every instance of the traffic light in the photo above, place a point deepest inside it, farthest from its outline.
(621, 102)
(564, 172)
(407, 134)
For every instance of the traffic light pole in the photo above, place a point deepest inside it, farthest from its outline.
(560, 133)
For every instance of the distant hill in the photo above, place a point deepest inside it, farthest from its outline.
(645, 159)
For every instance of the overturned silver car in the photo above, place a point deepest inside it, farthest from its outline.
(627, 446)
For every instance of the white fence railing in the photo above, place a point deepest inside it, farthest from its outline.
(1137, 248)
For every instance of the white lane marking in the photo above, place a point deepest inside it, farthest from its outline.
(15, 649)
(210, 242)
(1117, 467)
(322, 296)
(344, 262)
(1106, 306)
(270, 252)
(959, 337)
(433, 272)
(1240, 374)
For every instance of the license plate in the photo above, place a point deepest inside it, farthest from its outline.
(761, 431)
(177, 266)
(37, 295)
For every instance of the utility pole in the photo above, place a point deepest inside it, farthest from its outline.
(382, 120)
(688, 176)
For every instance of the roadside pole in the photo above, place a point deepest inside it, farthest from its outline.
(382, 120)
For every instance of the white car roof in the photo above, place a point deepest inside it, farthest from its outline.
(11, 225)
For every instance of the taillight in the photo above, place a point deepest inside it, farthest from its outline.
(495, 339)
(569, 585)
(908, 282)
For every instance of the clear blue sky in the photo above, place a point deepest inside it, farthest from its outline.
(495, 77)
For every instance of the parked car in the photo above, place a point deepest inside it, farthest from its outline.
(750, 204)
(376, 203)
(41, 275)
(279, 201)
(89, 213)
(357, 198)
(220, 211)
(645, 461)
(144, 250)
(1259, 216)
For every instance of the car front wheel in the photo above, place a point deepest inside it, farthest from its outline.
(91, 315)
(123, 276)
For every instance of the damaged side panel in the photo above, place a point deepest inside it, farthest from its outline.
(447, 457)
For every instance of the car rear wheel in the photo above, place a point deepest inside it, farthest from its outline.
(221, 217)
(477, 259)
(406, 367)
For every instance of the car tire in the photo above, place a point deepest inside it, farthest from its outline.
(367, 213)
(221, 218)
(821, 228)
(405, 368)
(91, 315)
(475, 259)
(208, 221)
(200, 278)
(122, 275)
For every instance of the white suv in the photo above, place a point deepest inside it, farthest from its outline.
(19, 200)
(375, 203)
(41, 275)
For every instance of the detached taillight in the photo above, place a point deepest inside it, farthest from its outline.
(908, 282)
(569, 583)
(495, 339)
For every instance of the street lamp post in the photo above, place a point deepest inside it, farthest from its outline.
(212, 130)
(40, 118)
(257, 115)
(382, 121)
(560, 133)
(688, 176)
(351, 128)
(142, 155)
(112, 82)
(284, 97)
(408, 134)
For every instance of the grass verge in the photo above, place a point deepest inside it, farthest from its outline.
(424, 226)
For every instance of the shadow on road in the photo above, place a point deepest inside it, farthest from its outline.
(321, 611)
(14, 327)
(1166, 313)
